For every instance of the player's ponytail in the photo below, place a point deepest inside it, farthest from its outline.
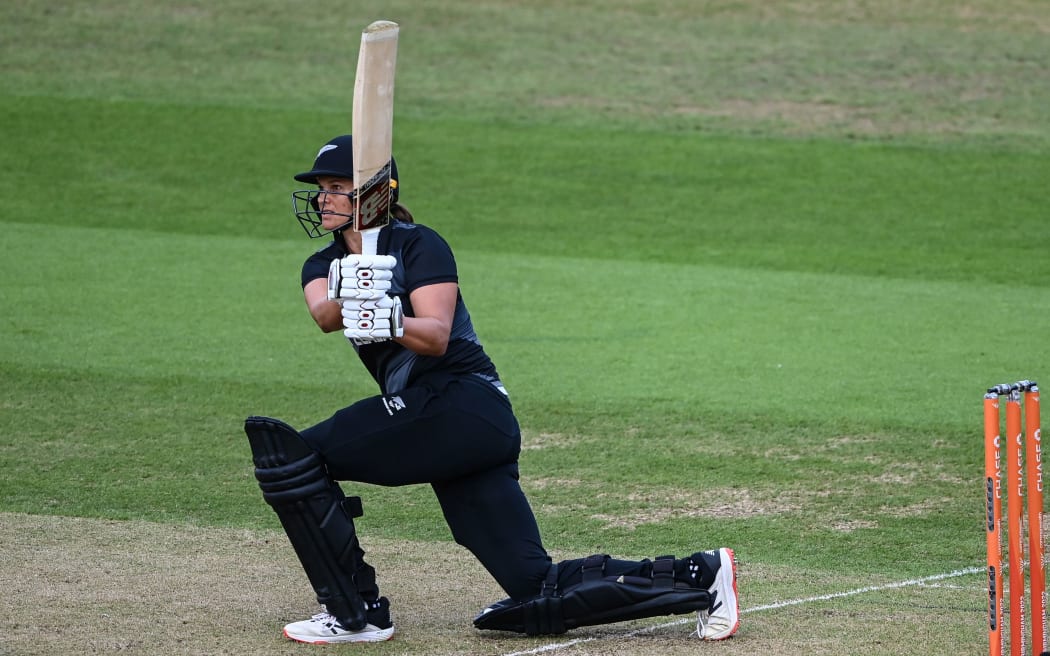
(401, 213)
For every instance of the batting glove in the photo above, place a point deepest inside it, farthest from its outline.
(373, 320)
(360, 277)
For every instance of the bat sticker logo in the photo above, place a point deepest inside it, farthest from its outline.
(373, 209)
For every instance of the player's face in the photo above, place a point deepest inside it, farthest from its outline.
(336, 207)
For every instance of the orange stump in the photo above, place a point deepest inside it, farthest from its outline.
(1037, 568)
(1014, 515)
(993, 519)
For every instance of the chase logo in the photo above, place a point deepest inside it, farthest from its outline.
(393, 404)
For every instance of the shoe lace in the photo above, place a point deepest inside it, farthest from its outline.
(324, 617)
(700, 624)
(704, 615)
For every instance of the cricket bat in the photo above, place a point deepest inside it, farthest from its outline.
(373, 127)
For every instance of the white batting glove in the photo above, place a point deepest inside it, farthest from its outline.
(360, 277)
(373, 320)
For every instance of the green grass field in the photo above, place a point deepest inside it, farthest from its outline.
(746, 269)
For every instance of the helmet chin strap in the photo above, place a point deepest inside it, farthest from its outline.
(343, 226)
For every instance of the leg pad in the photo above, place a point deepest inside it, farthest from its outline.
(315, 514)
(597, 600)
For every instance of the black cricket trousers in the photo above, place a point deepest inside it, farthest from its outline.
(460, 435)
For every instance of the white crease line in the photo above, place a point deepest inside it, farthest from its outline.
(870, 588)
(774, 606)
(949, 586)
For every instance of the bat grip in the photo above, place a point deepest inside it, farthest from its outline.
(369, 241)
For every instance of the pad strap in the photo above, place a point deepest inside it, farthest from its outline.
(663, 572)
(550, 583)
(593, 567)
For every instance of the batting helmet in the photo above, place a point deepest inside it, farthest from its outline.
(335, 159)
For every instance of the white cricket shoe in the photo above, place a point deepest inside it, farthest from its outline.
(323, 628)
(722, 619)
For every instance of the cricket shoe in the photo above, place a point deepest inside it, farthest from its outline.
(324, 629)
(722, 618)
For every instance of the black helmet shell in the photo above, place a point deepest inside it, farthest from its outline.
(336, 159)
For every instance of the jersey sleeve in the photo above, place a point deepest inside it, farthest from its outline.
(428, 260)
(316, 266)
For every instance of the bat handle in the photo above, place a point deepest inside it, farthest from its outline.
(369, 241)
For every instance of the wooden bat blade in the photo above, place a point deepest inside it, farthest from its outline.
(373, 124)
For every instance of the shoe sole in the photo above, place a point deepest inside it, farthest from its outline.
(736, 606)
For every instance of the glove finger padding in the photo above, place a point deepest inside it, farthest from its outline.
(351, 314)
(372, 326)
(378, 324)
(359, 295)
(367, 274)
(383, 303)
(353, 283)
(355, 272)
(355, 261)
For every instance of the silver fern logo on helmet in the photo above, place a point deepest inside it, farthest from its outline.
(325, 148)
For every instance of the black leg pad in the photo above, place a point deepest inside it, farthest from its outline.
(314, 512)
(597, 600)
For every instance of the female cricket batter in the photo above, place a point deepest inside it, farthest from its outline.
(443, 418)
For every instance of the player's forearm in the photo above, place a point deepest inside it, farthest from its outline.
(327, 315)
(425, 335)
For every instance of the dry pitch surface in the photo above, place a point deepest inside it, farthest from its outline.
(84, 586)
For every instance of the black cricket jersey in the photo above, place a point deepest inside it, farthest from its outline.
(423, 258)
